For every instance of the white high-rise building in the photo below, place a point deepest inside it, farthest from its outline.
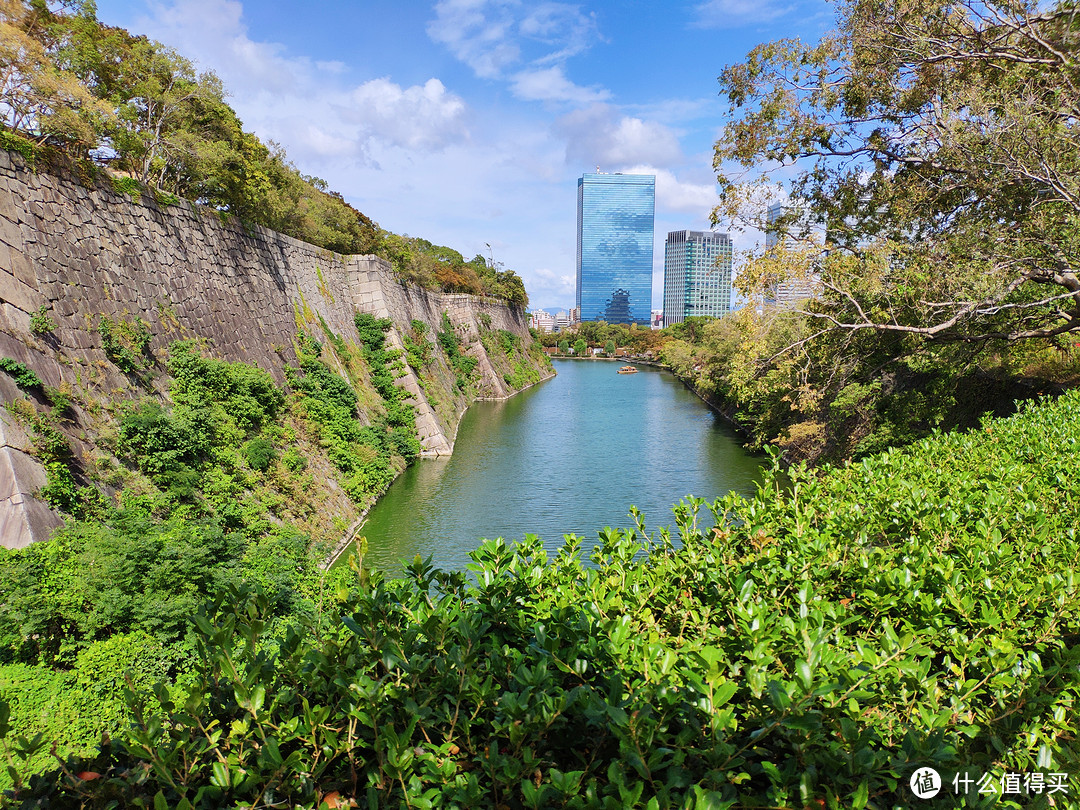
(697, 275)
(542, 321)
(788, 292)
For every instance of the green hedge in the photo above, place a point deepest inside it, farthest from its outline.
(837, 631)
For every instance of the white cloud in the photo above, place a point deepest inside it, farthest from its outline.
(304, 103)
(737, 13)
(549, 285)
(417, 117)
(213, 33)
(493, 37)
(327, 144)
(682, 196)
(551, 84)
(599, 135)
(477, 32)
(560, 26)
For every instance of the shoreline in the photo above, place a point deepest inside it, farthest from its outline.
(351, 533)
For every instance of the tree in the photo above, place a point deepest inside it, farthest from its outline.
(938, 143)
(564, 347)
(165, 112)
(609, 348)
(580, 347)
(38, 96)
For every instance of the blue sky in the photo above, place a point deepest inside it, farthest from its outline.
(468, 122)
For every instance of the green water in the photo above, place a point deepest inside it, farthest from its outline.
(567, 456)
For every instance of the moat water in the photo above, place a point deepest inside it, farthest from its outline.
(570, 455)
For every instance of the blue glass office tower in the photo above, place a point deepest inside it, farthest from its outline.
(615, 247)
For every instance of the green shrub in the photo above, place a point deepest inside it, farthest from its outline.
(294, 460)
(247, 394)
(417, 347)
(463, 364)
(372, 330)
(59, 398)
(127, 185)
(126, 344)
(23, 376)
(29, 150)
(164, 198)
(171, 448)
(508, 342)
(827, 638)
(362, 453)
(39, 701)
(259, 454)
(61, 491)
(40, 322)
(106, 668)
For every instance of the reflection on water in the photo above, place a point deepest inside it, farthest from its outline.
(568, 456)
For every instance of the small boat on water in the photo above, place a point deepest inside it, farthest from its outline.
(628, 370)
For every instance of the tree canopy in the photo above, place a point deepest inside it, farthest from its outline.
(936, 141)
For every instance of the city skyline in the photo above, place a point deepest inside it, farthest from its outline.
(466, 122)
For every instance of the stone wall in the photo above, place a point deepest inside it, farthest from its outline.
(185, 271)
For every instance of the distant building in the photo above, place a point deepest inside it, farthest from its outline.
(697, 275)
(574, 316)
(542, 321)
(657, 319)
(562, 321)
(788, 293)
(615, 247)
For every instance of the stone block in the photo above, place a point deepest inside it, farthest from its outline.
(10, 233)
(23, 269)
(13, 319)
(13, 291)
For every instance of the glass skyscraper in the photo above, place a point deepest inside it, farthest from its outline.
(615, 247)
(697, 275)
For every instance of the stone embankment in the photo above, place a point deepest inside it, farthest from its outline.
(87, 252)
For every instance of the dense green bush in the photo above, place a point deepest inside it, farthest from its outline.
(259, 454)
(463, 364)
(104, 603)
(417, 347)
(829, 636)
(40, 322)
(167, 446)
(248, 394)
(23, 376)
(839, 396)
(126, 344)
(93, 581)
(364, 453)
